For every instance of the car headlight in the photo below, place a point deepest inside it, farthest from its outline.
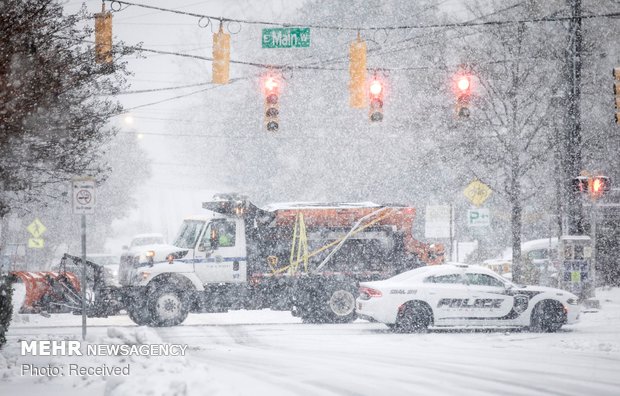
(573, 301)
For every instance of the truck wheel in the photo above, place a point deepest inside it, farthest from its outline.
(311, 309)
(341, 305)
(167, 305)
(138, 312)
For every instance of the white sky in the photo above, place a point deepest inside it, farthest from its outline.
(171, 193)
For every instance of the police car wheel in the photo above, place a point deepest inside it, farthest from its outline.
(168, 306)
(415, 317)
(547, 317)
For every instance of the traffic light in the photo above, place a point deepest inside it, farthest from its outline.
(357, 73)
(271, 91)
(103, 36)
(594, 186)
(616, 73)
(463, 94)
(221, 57)
(598, 186)
(376, 90)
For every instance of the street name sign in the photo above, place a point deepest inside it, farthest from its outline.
(478, 218)
(83, 195)
(286, 38)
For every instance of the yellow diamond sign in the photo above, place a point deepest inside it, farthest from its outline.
(36, 228)
(477, 192)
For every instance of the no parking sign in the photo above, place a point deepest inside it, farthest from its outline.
(84, 197)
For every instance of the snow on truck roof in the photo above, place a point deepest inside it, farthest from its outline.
(238, 205)
(320, 205)
(148, 235)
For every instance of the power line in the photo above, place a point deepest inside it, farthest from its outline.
(361, 28)
(263, 136)
(232, 80)
(141, 91)
(317, 65)
(313, 65)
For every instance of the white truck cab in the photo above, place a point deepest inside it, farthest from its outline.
(207, 249)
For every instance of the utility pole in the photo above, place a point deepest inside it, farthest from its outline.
(572, 159)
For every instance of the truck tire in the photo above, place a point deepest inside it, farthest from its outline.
(167, 305)
(330, 303)
(341, 303)
(310, 308)
(138, 312)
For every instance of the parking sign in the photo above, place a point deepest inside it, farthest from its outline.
(84, 197)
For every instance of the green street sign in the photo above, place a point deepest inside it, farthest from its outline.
(286, 38)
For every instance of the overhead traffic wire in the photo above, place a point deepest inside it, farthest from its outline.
(202, 17)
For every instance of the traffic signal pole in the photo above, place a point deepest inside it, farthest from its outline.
(572, 159)
(594, 241)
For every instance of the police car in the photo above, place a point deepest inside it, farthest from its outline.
(454, 295)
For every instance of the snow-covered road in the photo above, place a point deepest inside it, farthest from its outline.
(272, 353)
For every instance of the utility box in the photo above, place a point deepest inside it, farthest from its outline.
(576, 269)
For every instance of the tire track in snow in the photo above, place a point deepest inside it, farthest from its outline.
(259, 351)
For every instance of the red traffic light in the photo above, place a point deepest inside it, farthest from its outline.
(376, 88)
(598, 185)
(271, 84)
(463, 83)
(462, 88)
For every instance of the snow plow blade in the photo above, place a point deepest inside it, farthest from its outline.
(60, 292)
(48, 291)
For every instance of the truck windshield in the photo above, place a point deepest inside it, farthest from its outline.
(189, 233)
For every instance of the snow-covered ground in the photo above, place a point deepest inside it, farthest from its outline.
(273, 353)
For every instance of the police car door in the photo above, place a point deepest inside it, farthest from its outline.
(489, 300)
(221, 253)
(445, 293)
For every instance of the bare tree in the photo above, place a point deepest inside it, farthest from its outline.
(508, 141)
(52, 113)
